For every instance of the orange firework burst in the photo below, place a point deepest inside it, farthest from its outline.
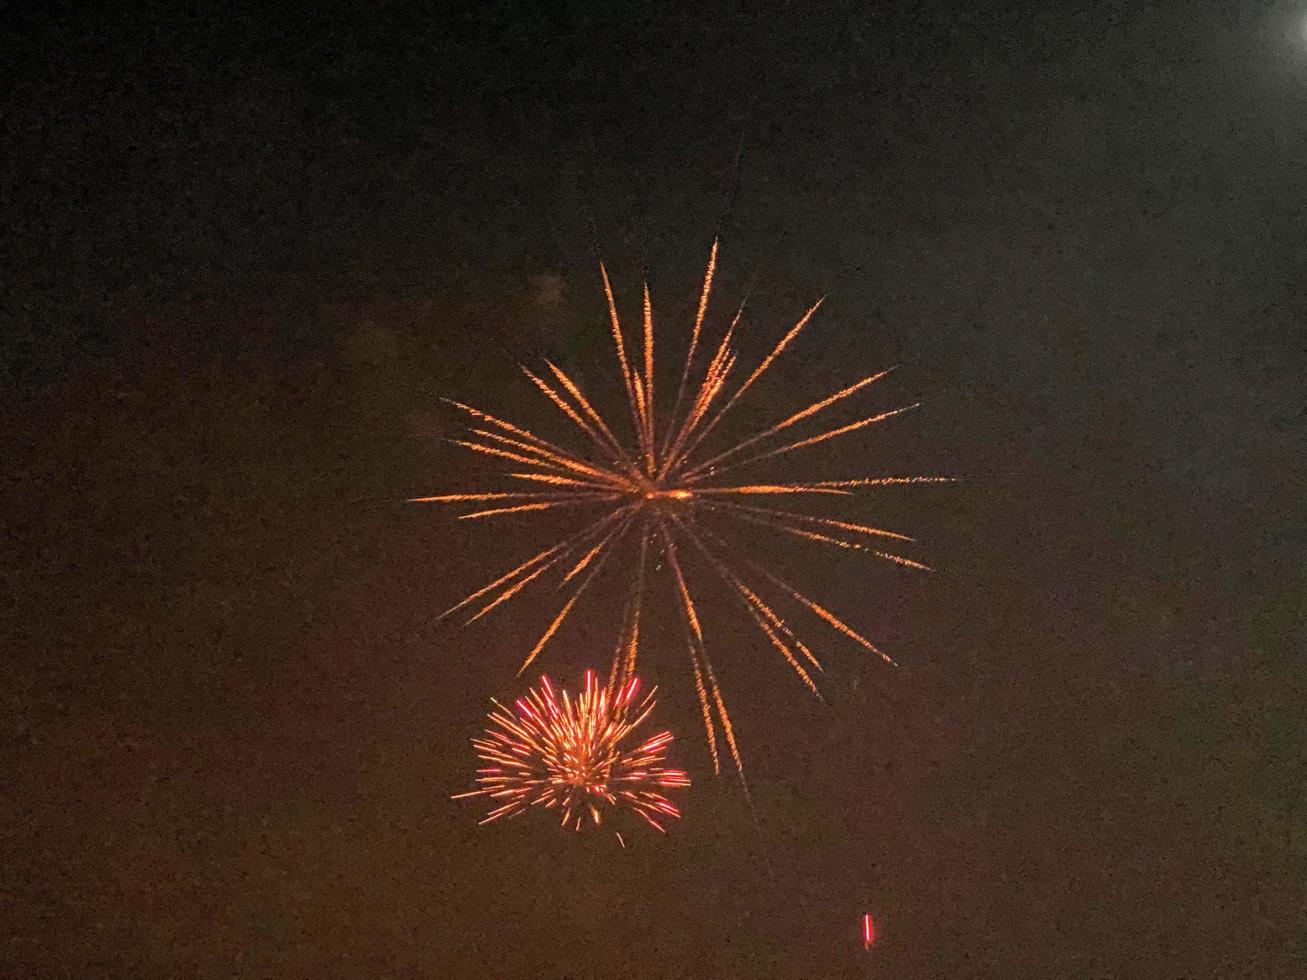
(662, 490)
(569, 755)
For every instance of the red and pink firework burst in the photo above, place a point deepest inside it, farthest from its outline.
(571, 755)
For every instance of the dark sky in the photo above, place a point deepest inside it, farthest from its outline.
(244, 253)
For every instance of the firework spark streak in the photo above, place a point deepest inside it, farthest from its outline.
(661, 491)
(571, 756)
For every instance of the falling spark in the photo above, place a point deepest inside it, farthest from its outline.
(662, 489)
(868, 931)
(572, 755)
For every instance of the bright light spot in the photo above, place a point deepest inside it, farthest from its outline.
(868, 931)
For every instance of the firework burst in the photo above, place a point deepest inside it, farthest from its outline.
(571, 756)
(662, 494)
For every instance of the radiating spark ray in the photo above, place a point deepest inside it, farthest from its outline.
(712, 387)
(545, 459)
(775, 619)
(827, 539)
(780, 645)
(810, 441)
(510, 427)
(770, 488)
(628, 644)
(727, 728)
(755, 607)
(791, 420)
(703, 298)
(574, 390)
(825, 614)
(510, 574)
(761, 369)
(713, 383)
(694, 640)
(589, 556)
(567, 607)
(905, 562)
(704, 707)
(568, 410)
(803, 649)
(821, 521)
(692, 617)
(619, 651)
(621, 347)
(648, 380)
(559, 481)
(633, 644)
(711, 390)
(642, 420)
(515, 588)
(450, 498)
(780, 624)
(843, 487)
(885, 481)
(704, 294)
(477, 447)
(715, 379)
(559, 549)
(596, 498)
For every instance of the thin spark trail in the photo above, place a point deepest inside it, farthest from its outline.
(541, 561)
(762, 614)
(562, 463)
(658, 483)
(545, 505)
(596, 555)
(704, 296)
(796, 418)
(799, 532)
(822, 521)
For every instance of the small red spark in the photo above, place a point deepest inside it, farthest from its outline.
(868, 931)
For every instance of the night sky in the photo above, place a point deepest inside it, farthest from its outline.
(244, 254)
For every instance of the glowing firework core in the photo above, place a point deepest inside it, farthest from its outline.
(569, 755)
